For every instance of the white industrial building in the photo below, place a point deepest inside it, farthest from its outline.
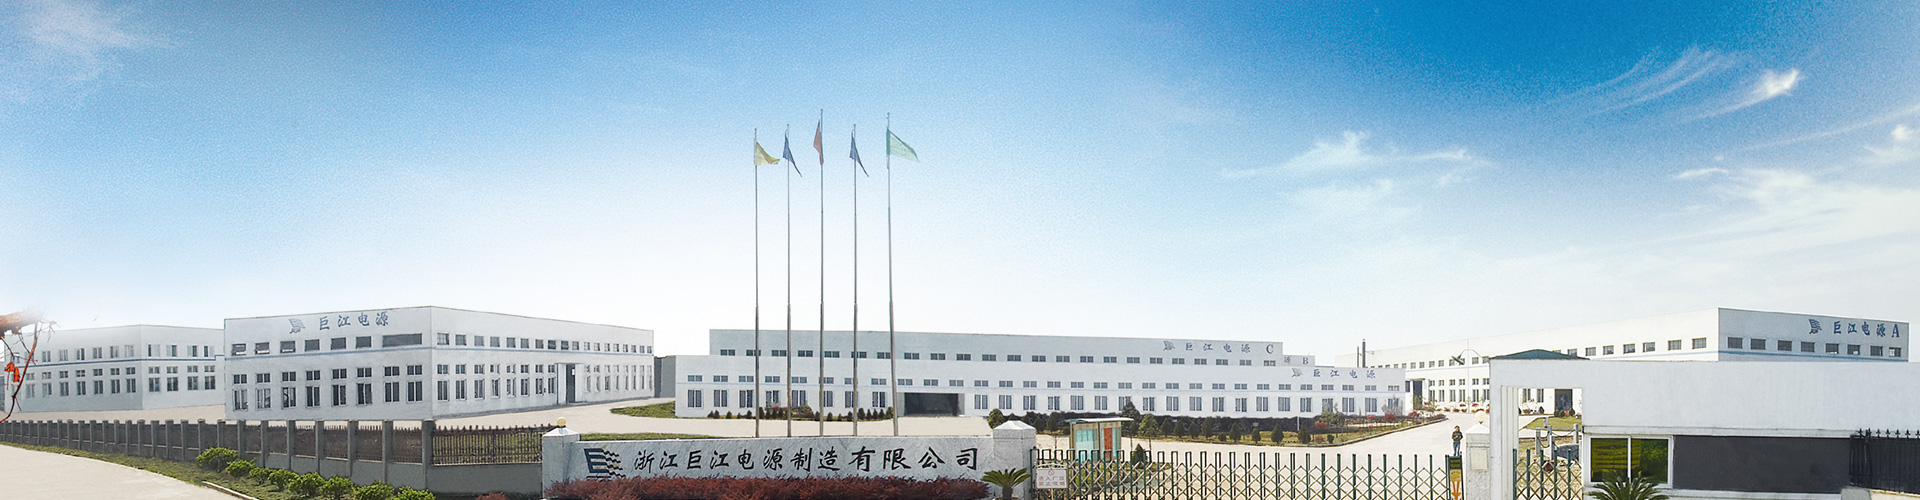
(974, 374)
(137, 367)
(426, 362)
(1455, 372)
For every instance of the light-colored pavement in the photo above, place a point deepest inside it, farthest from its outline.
(39, 474)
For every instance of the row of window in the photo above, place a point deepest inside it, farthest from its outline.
(123, 351)
(333, 344)
(113, 372)
(460, 339)
(1831, 347)
(116, 386)
(697, 399)
(1036, 358)
(1051, 384)
(1605, 350)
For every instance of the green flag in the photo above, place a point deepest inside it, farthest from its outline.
(897, 147)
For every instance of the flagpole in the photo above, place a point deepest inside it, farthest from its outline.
(821, 354)
(789, 357)
(893, 356)
(756, 286)
(854, 403)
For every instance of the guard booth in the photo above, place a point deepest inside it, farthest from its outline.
(1096, 437)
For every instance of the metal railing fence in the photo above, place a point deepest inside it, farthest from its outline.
(1246, 475)
(1885, 460)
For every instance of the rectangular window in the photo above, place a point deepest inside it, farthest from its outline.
(1853, 349)
(1646, 347)
(1806, 347)
(1876, 351)
(1240, 404)
(1672, 345)
(404, 339)
(1758, 344)
(1590, 352)
(363, 342)
(1053, 403)
(1283, 404)
(1736, 342)
(979, 401)
(1634, 457)
(1013, 357)
(1173, 403)
(938, 356)
(1099, 403)
(877, 400)
(363, 394)
(1606, 349)
(1700, 343)
(1627, 349)
(337, 343)
(240, 349)
(1194, 402)
(1179, 361)
(1109, 359)
(1833, 348)
(693, 399)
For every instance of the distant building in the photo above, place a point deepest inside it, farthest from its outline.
(974, 374)
(1455, 372)
(139, 367)
(427, 362)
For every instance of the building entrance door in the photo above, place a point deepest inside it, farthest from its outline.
(570, 384)
(920, 404)
(1562, 400)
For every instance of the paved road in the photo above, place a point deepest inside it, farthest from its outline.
(38, 474)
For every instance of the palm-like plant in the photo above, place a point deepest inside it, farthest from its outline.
(1619, 487)
(1009, 479)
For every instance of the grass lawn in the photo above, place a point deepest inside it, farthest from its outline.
(602, 436)
(662, 410)
(1559, 423)
(184, 471)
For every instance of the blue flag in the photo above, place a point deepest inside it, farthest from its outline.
(853, 148)
(786, 151)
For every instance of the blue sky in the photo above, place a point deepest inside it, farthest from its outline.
(1303, 172)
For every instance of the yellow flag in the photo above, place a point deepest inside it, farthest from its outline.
(760, 156)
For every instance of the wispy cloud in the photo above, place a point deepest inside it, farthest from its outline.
(1900, 147)
(1882, 119)
(70, 41)
(1351, 154)
(1770, 84)
(1650, 79)
(1365, 204)
(1698, 173)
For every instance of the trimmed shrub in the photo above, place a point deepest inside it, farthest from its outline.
(280, 478)
(259, 475)
(239, 468)
(306, 485)
(216, 458)
(413, 494)
(375, 491)
(717, 488)
(336, 487)
(493, 496)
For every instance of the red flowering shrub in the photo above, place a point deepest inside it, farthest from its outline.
(732, 488)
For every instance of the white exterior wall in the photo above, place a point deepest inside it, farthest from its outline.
(1711, 329)
(124, 368)
(432, 379)
(1102, 367)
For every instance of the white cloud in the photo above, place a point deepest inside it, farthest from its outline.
(1770, 85)
(1698, 173)
(1367, 204)
(1641, 83)
(64, 42)
(1351, 154)
(1900, 147)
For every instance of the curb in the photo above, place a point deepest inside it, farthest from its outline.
(224, 489)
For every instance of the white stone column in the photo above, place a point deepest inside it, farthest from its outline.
(1012, 449)
(1476, 481)
(556, 457)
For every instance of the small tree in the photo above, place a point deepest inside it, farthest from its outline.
(995, 418)
(1007, 480)
(1206, 428)
(1149, 427)
(1233, 431)
(1132, 426)
(1278, 435)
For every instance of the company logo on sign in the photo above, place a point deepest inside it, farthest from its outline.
(1863, 328)
(331, 321)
